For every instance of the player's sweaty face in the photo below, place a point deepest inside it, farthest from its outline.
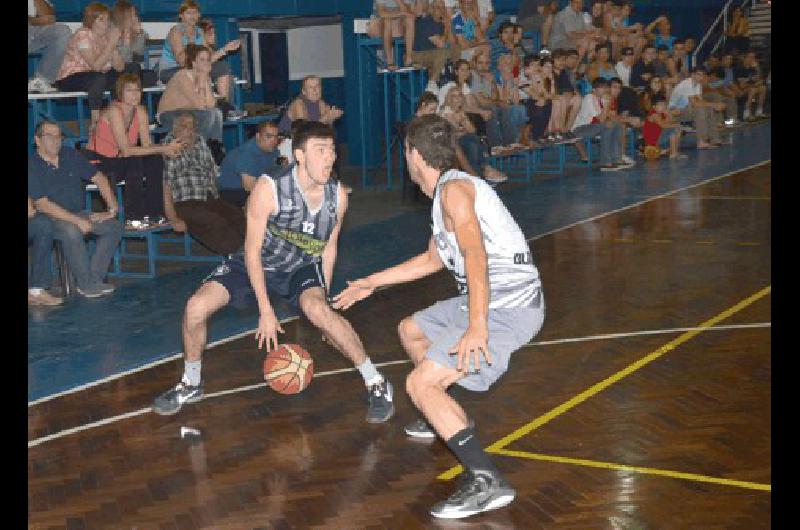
(320, 154)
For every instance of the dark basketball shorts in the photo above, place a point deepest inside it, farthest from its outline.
(232, 275)
(445, 322)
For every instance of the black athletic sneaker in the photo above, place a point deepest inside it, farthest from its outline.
(381, 405)
(479, 491)
(171, 401)
(420, 429)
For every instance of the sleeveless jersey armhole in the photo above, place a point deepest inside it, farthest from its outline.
(274, 193)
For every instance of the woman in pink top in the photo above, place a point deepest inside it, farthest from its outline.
(121, 148)
(92, 61)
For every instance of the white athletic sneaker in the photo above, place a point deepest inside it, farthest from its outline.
(628, 160)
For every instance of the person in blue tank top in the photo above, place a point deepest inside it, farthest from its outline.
(293, 223)
(190, 31)
(663, 37)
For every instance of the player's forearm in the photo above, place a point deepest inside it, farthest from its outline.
(475, 264)
(252, 262)
(408, 271)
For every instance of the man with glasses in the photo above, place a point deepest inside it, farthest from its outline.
(56, 177)
(242, 166)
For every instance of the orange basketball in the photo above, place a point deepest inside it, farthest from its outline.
(289, 369)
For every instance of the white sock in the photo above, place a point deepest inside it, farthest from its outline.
(370, 374)
(191, 372)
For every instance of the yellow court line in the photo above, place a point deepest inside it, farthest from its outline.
(635, 469)
(602, 385)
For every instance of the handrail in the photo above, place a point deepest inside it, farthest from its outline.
(724, 15)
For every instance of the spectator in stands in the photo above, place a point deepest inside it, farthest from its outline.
(92, 61)
(428, 103)
(503, 45)
(655, 89)
(537, 15)
(120, 146)
(243, 165)
(396, 20)
(689, 44)
(40, 233)
(514, 113)
(643, 70)
(568, 102)
(174, 56)
(627, 100)
(486, 96)
(601, 66)
(738, 33)
(190, 90)
(430, 44)
(726, 80)
(681, 68)
(220, 69)
(49, 39)
(467, 29)
(192, 198)
(56, 177)
(686, 102)
(542, 92)
(463, 76)
(595, 118)
(660, 131)
(750, 81)
(663, 36)
(715, 91)
(620, 33)
(309, 106)
(132, 41)
(665, 68)
(572, 30)
(624, 65)
(474, 151)
(625, 111)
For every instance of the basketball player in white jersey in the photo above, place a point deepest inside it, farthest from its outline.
(469, 339)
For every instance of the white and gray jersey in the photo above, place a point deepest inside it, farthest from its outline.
(296, 236)
(513, 278)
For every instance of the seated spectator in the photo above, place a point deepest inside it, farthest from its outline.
(681, 61)
(504, 45)
(513, 112)
(190, 90)
(624, 110)
(309, 106)
(49, 39)
(620, 33)
(750, 81)
(660, 131)
(655, 89)
(40, 233)
(473, 150)
(663, 36)
(738, 33)
(430, 44)
(689, 45)
(56, 179)
(243, 165)
(637, 38)
(467, 29)
(572, 30)
(463, 76)
(725, 82)
(92, 60)
(132, 41)
(121, 147)
(628, 101)
(187, 31)
(643, 70)
(537, 15)
(220, 69)
(428, 103)
(687, 104)
(601, 66)
(714, 91)
(594, 119)
(624, 65)
(568, 102)
(192, 201)
(396, 19)
(542, 92)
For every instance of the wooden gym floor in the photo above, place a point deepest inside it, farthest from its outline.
(643, 403)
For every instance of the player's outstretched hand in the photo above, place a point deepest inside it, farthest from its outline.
(355, 292)
(268, 328)
(473, 343)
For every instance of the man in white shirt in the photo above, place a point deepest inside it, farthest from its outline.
(595, 117)
(49, 39)
(686, 103)
(624, 66)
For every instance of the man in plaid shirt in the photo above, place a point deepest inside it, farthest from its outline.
(191, 197)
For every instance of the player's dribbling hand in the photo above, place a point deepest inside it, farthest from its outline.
(268, 328)
(473, 343)
(355, 292)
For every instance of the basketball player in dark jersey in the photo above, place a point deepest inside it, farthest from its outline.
(293, 223)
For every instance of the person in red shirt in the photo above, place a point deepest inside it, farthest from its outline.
(659, 130)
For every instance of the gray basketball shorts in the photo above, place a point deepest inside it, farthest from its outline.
(445, 322)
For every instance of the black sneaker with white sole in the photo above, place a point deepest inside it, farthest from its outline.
(479, 491)
(171, 401)
(420, 429)
(381, 402)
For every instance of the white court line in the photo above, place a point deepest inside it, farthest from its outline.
(609, 336)
(245, 333)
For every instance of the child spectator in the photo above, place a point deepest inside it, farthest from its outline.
(660, 131)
